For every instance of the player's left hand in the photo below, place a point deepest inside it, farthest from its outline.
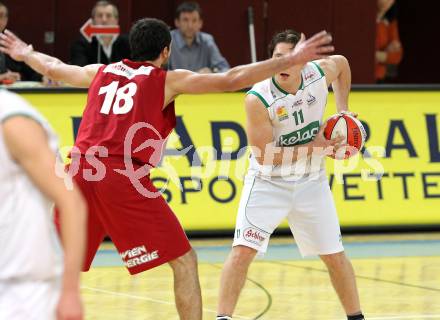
(14, 46)
(70, 306)
(353, 114)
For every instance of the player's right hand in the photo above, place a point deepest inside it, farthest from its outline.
(326, 147)
(317, 47)
(70, 306)
(12, 45)
(10, 76)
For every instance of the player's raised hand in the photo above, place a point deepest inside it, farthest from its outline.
(12, 45)
(317, 47)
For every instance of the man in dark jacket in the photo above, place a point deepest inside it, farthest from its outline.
(10, 70)
(112, 48)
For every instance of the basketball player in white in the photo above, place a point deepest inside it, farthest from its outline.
(34, 281)
(284, 115)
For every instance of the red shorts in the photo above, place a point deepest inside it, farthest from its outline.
(144, 230)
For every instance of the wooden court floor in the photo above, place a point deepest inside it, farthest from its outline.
(398, 277)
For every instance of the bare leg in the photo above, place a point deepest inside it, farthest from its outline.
(187, 287)
(343, 280)
(233, 278)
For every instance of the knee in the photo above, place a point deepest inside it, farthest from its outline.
(241, 256)
(186, 262)
(334, 261)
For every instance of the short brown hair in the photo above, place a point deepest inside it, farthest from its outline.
(105, 3)
(190, 6)
(286, 36)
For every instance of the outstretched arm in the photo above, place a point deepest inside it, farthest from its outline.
(338, 74)
(182, 81)
(46, 65)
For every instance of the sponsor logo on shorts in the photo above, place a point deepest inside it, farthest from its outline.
(254, 236)
(138, 256)
(300, 136)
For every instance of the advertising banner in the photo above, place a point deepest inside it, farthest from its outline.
(395, 181)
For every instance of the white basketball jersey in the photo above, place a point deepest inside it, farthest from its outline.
(295, 119)
(29, 245)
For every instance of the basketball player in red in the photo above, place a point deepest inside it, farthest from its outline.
(133, 100)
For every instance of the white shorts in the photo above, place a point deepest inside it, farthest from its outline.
(306, 203)
(28, 300)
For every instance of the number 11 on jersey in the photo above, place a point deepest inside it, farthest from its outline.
(299, 117)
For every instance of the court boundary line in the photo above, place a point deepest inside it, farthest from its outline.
(259, 285)
(413, 317)
(403, 284)
(127, 295)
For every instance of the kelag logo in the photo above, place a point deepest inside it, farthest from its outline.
(300, 136)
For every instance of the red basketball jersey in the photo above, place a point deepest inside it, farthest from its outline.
(124, 112)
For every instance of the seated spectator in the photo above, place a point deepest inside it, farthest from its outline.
(113, 48)
(388, 46)
(10, 70)
(191, 49)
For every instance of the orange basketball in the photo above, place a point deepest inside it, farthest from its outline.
(351, 129)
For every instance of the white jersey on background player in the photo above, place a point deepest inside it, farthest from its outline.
(286, 176)
(31, 260)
